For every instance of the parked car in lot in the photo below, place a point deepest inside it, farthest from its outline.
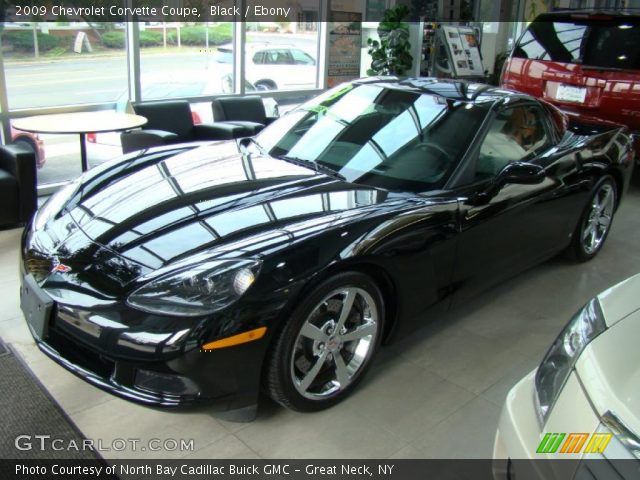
(270, 66)
(182, 274)
(583, 401)
(584, 62)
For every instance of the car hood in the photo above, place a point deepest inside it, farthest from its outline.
(213, 198)
(620, 300)
(609, 370)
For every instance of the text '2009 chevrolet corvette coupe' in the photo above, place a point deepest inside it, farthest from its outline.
(185, 274)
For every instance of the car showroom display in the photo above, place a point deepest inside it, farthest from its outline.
(587, 383)
(184, 274)
(457, 54)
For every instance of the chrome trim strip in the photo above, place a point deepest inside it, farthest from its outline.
(623, 433)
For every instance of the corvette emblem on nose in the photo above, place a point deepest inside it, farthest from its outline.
(60, 267)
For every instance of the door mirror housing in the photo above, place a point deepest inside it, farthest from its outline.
(521, 173)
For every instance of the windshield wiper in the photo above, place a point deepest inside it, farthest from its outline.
(295, 160)
(313, 165)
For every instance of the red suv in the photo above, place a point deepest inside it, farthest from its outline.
(587, 63)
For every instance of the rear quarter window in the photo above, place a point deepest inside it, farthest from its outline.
(599, 44)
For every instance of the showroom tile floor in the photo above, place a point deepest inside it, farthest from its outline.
(436, 394)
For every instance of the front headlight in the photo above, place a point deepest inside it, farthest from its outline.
(556, 366)
(55, 203)
(194, 290)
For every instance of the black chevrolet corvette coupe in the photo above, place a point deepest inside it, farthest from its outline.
(202, 272)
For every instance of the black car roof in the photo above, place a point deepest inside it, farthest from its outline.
(454, 90)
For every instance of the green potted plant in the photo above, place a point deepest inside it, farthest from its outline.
(390, 55)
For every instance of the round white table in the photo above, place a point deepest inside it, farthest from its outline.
(80, 123)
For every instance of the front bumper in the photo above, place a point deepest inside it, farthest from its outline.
(156, 362)
(518, 431)
(517, 438)
(110, 384)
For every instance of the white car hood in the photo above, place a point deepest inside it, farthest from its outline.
(609, 368)
(620, 300)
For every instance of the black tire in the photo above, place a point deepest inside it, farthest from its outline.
(291, 347)
(264, 85)
(579, 249)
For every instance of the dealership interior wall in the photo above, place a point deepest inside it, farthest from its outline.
(437, 393)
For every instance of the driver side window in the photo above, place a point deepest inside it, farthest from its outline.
(516, 134)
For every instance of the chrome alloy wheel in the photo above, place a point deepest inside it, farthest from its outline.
(598, 221)
(334, 344)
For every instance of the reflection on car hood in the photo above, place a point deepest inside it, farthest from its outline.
(214, 197)
(620, 300)
(609, 370)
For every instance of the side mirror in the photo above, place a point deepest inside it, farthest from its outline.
(521, 173)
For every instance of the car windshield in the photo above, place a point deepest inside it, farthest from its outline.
(599, 44)
(377, 135)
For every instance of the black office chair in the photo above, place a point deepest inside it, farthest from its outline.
(18, 195)
(171, 122)
(246, 112)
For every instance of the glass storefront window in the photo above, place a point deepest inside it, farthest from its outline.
(43, 67)
(181, 60)
(282, 55)
(50, 66)
(57, 156)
